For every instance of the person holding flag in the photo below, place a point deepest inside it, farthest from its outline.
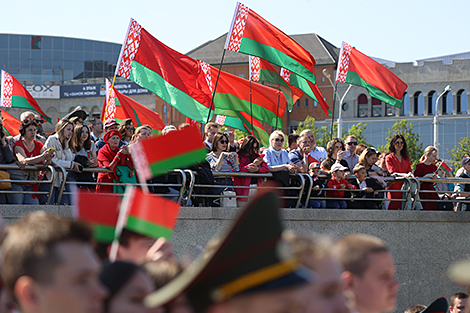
(427, 168)
(6, 156)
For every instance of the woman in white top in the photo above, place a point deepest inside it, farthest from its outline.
(85, 154)
(64, 157)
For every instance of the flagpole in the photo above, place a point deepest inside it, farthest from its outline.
(251, 111)
(215, 86)
(277, 114)
(326, 73)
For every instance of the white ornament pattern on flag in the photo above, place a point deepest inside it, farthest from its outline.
(207, 74)
(343, 63)
(111, 95)
(7, 89)
(285, 74)
(141, 161)
(238, 28)
(255, 66)
(220, 119)
(129, 50)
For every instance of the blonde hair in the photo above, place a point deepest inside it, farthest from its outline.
(139, 129)
(427, 151)
(276, 133)
(365, 154)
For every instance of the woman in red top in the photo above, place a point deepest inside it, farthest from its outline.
(399, 165)
(109, 157)
(427, 168)
(252, 162)
(29, 151)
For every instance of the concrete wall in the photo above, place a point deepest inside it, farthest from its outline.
(424, 244)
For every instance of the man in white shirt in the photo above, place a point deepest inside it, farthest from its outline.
(317, 152)
(211, 129)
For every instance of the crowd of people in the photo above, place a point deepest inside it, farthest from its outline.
(345, 175)
(52, 264)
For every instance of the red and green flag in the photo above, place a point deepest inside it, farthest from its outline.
(150, 215)
(244, 123)
(262, 70)
(120, 107)
(10, 124)
(446, 168)
(14, 95)
(235, 94)
(172, 76)
(100, 212)
(160, 154)
(307, 87)
(358, 69)
(251, 34)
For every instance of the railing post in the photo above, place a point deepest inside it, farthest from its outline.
(191, 185)
(302, 179)
(53, 172)
(183, 183)
(62, 185)
(309, 191)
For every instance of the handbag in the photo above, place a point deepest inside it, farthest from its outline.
(4, 176)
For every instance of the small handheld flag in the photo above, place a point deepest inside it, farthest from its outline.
(446, 168)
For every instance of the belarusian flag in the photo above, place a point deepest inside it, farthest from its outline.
(262, 70)
(307, 87)
(100, 211)
(14, 95)
(446, 168)
(358, 69)
(10, 123)
(148, 214)
(244, 123)
(160, 154)
(121, 107)
(172, 76)
(235, 94)
(251, 34)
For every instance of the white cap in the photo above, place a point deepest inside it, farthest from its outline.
(338, 167)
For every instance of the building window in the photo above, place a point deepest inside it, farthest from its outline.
(405, 109)
(447, 103)
(418, 103)
(306, 102)
(432, 97)
(389, 111)
(362, 106)
(462, 104)
(315, 103)
(297, 103)
(376, 107)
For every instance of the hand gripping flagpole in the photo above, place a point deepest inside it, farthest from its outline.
(215, 86)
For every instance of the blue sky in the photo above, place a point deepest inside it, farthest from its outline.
(400, 30)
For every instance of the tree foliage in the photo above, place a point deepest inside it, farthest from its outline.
(415, 148)
(357, 131)
(462, 148)
(308, 123)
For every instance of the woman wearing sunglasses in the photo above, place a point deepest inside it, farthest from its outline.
(399, 165)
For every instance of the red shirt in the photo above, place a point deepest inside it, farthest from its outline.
(36, 150)
(333, 183)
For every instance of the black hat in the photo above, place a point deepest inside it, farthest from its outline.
(438, 306)
(78, 116)
(250, 258)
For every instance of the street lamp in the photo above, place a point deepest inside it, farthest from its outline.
(436, 118)
(326, 73)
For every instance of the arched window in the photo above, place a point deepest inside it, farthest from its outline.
(418, 103)
(462, 105)
(297, 103)
(306, 102)
(376, 107)
(432, 97)
(447, 103)
(405, 109)
(362, 106)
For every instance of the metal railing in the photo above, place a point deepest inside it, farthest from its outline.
(186, 186)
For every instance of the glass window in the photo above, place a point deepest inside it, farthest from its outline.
(447, 103)
(25, 64)
(13, 65)
(78, 44)
(88, 56)
(376, 107)
(418, 103)
(14, 54)
(431, 103)
(88, 46)
(98, 46)
(58, 54)
(306, 102)
(68, 65)
(462, 104)
(297, 103)
(36, 54)
(58, 43)
(362, 106)
(117, 49)
(68, 44)
(108, 47)
(389, 110)
(36, 64)
(25, 54)
(25, 42)
(315, 103)
(68, 55)
(47, 55)
(3, 54)
(14, 42)
(3, 41)
(46, 43)
(78, 55)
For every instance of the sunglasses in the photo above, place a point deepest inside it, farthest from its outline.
(279, 139)
(130, 128)
(39, 121)
(224, 142)
(399, 143)
(352, 143)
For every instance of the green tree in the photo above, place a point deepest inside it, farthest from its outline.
(415, 148)
(458, 152)
(308, 123)
(356, 131)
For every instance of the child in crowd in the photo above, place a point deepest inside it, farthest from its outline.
(337, 181)
(366, 188)
(314, 171)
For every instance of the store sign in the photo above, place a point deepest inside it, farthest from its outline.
(44, 91)
(99, 90)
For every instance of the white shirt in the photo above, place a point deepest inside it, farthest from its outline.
(319, 153)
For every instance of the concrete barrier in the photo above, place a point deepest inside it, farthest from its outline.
(424, 244)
